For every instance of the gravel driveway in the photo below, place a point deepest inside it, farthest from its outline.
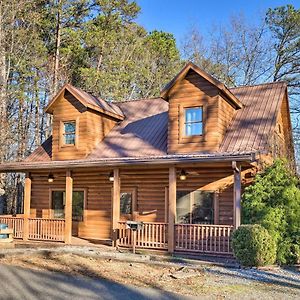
(275, 283)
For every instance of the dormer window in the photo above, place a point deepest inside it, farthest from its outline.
(193, 121)
(69, 133)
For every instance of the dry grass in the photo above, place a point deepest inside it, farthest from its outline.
(138, 274)
(146, 274)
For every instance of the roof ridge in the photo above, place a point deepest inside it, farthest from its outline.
(253, 85)
(135, 100)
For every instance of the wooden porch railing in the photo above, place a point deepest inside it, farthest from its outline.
(16, 223)
(46, 229)
(153, 236)
(214, 239)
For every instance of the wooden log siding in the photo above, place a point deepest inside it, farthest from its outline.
(213, 239)
(16, 223)
(97, 215)
(47, 229)
(217, 115)
(91, 127)
(153, 236)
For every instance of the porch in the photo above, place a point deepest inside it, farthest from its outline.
(153, 200)
(197, 238)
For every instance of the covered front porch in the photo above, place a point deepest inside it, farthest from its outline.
(184, 207)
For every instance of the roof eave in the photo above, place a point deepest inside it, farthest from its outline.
(232, 98)
(47, 109)
(83, 102)
(24, 166)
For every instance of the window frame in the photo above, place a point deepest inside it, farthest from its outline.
(62, 133)
(183, 138)
(84, 190)
(192, 122)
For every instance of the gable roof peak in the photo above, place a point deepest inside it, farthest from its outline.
(191, 66)
(89, 101)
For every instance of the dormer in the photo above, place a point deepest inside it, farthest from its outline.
(80, 122)
(200, 110)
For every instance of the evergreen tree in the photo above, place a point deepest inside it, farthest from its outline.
(274, 202)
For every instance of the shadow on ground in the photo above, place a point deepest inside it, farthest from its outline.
(20, 283)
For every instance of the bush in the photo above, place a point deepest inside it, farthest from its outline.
(253, 246)
(273, 201)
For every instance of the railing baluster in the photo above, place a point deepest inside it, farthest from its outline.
(203, 238)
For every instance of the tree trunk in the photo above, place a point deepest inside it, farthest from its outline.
(37, 135)
(57, 49)
(55, 83)
(3, 89)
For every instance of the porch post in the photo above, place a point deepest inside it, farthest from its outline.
(172, 209)
(68, 207)
(237, 195)
(116, 207)
(27, 197)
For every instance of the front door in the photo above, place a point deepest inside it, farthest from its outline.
(58, 208)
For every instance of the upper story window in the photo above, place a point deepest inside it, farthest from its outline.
(193, 121)
(69, 134)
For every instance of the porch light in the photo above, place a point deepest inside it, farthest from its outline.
(111, 176)
(50, 178)
(182, 175)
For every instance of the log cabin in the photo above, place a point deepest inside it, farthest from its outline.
(177, 163)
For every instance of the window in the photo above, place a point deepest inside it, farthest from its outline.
(59, 201)
(77, 206)
(58, 204)
(69, 133)
(193, 121)
(195, 207)
(126, 203)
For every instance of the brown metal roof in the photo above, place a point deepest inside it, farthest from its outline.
(93, 100)
(88, 101)
(252, 125)
(144, 131)
(42, 153)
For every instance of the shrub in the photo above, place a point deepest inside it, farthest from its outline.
(253, 246)
(273, 201)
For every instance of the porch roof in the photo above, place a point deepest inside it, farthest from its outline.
(115, 162)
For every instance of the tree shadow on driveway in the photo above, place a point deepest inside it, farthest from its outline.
(20, 283)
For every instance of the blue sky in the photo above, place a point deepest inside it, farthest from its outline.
(178, 16)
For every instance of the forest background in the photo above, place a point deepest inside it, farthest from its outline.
(98, 45)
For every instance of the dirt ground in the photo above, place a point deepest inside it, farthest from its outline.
(205, 281)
